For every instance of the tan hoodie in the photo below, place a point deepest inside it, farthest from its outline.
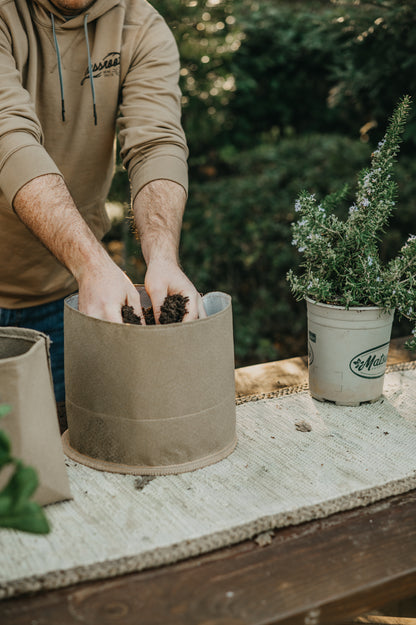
(134, 67)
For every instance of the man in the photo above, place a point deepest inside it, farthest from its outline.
(73, 72)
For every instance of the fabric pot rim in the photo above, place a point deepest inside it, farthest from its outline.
(73, 298)
(32, 336)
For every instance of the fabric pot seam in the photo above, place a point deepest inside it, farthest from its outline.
(123, 419)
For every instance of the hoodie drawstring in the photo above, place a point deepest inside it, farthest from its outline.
(90, 69)
(58, 58)
(90, 72)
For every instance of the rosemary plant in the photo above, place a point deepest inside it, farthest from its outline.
(341, 261)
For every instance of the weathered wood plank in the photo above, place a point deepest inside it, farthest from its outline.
(321, 572)
(375, 619)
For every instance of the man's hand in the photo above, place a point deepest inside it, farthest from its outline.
(166, 278)
(104, 290)
(158, 210)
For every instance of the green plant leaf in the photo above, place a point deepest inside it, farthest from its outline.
(29, 518)
(4, 409)
(4, 448)
(6, 504)
(20, 487)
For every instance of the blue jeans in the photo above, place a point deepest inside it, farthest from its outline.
(49, 319)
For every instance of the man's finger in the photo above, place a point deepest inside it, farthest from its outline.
(193, 308)
(136, 303)
(157, 297)
(105, 314)
(201, 310)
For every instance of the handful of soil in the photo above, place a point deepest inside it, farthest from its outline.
(172, 310)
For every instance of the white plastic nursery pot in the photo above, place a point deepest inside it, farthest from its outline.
(347, 352)
(150, 399)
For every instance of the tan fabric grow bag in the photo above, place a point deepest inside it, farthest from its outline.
(150, 400)
(32, 424)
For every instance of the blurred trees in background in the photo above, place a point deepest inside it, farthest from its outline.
(279, 97)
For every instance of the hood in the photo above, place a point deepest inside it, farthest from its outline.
(47, 14)
(42, 10)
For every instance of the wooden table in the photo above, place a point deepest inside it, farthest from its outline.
(326, 571)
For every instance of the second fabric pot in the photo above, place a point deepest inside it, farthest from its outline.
(32, 424)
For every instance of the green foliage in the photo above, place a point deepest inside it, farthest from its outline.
(335, 66)
(341, 263)
(282, 72)
(376, 63)
(250, 69)
(401, 273)
(207, 36)
(16, 509)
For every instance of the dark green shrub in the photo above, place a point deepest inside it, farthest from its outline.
(333, 67)
(282, 72)
(376, 62)
(207, 35)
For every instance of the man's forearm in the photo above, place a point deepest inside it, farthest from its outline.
(46, 207)
(158, 211)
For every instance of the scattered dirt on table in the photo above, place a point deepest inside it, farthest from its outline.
(172, 310)
(142, 481)
(303, 426)
(265, 538)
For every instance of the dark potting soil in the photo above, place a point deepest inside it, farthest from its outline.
(172, 310)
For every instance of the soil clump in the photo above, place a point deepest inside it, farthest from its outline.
(172, 310)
